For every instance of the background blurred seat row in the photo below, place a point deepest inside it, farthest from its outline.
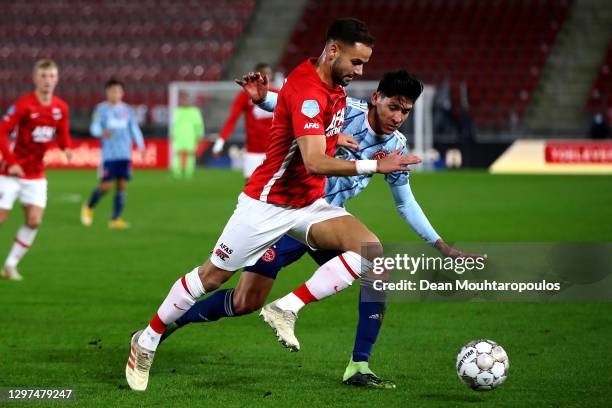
(498, 48)
(144, 43)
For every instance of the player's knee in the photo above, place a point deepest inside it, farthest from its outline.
(33, 222)
(372, 250)
(369, 249)
(212, 277)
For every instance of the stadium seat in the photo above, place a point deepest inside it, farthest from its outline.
(147, 43)
(498, 48)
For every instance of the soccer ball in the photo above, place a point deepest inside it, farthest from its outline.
(482, 364)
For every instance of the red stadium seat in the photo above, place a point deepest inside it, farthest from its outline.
(145, 42)
(493, 46)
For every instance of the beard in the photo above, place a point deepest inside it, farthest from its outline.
(337, 74)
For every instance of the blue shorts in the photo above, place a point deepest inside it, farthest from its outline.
(116, 169)
(285, 252)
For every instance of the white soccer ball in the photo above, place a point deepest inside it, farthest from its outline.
(482, 364)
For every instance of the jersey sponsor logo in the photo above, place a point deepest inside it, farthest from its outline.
(219, 252)
(56, 113)
(269, 255)
(336, 124)
(312, 126)
(379, 155)
(226, 248)
(43, 134)
(310, 108)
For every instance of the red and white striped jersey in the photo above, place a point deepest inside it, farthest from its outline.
(305, 106)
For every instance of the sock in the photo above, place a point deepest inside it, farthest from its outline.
(182, 296)
(96, 195)
(218, 305)
(23, 241)
(333, 276)
(372, 305)
(118, 204)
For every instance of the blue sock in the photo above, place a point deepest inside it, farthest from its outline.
(372, 305)
(219, 304)
(96, 195)
(118, 204)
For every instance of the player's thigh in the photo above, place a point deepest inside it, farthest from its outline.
(33, 197)
(344, 233)
(252, 229)
(251, 292)
(9, 191)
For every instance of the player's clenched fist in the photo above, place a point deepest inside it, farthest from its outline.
(396, 162)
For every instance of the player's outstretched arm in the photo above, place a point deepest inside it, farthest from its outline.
(312, 148)
(410, 210)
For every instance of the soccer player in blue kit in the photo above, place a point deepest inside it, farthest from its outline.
(114, 122)
(374, 129)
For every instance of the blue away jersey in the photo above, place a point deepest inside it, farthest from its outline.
(121, 121)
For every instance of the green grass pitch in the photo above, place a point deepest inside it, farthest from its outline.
(85, 290)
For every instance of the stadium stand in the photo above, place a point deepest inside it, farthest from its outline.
(601, 94)
(145, 43)
(498, 48)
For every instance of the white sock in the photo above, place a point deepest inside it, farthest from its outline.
(23, 242)
(182, 296)
(332, 277)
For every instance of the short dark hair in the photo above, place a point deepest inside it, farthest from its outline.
(350, 31)
(113, 82)
(261, 65)
(400, 83)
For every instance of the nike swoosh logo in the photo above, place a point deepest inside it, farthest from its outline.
(179, 308)
(34, 115)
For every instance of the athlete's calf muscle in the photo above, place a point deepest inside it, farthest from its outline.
(251, 292)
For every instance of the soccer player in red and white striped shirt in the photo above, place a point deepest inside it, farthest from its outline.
(284, 194)
(39, 119)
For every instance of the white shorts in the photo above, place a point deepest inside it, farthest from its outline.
(29, 192)
(251, 162)
(255, 226)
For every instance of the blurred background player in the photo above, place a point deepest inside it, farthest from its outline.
(115, 123)
(39, 117)
(257, 126)
(187, 131)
